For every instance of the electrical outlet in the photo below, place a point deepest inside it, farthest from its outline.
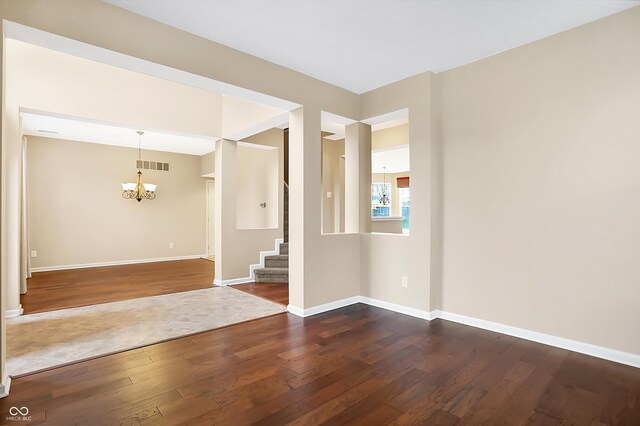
(405, 282)
(170, 245)
(34, 253)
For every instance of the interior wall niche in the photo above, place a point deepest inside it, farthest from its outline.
(333, 199)
(390, 177)
(332, 172)
(257, 185)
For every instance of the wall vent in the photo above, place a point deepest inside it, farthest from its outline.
(152, 165)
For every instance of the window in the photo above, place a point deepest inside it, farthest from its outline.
(405, 203)
(380, 199)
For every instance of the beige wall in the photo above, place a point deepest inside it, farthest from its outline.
(51, 81)
(332, 181)
(238, 115)
(390, 137)
(275, 191)
(386, 226)
(542, 183)
(386, 258)
(329, 264)
(243, 235)
(236, 249)
(208, 164)
(256, 183)
(77, 214)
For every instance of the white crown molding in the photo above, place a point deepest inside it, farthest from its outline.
(13, 313)
(114, 263)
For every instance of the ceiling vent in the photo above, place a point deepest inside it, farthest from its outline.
(152, 165)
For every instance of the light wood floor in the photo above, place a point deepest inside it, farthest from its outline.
(48, 291)
(357, 365)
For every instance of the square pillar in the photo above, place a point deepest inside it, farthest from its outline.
(305, 203)
(225, 205)
(357, 148)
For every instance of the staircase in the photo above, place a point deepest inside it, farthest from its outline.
(276, 267)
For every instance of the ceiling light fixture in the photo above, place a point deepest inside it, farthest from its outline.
(384, 195)
(139, 190)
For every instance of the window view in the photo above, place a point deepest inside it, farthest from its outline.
(390, 202)
(380, 199)
(405, 204)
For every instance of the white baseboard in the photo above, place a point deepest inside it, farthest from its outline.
(315, 310)
(113, 263)
(296, 311)
(5, 385)
(263, 254)
(359, 299)
(12, 313)
(224, 283)
(614, 355)
(418, 313)
(547, 339)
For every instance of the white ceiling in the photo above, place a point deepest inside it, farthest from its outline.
(362, 44)
(35, 124)
(396, 160)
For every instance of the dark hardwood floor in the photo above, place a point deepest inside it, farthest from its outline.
(48, 291)
(358, 365)
(276, 292)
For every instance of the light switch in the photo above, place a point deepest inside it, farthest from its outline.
(329, 194)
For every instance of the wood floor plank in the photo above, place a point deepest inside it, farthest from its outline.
(275, 292)
(49, 291)
(380, 368)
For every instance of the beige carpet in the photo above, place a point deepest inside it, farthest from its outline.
(39, 341)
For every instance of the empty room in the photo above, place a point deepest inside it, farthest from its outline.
(311, 212)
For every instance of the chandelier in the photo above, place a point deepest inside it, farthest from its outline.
(139, 190)
(384, 195)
